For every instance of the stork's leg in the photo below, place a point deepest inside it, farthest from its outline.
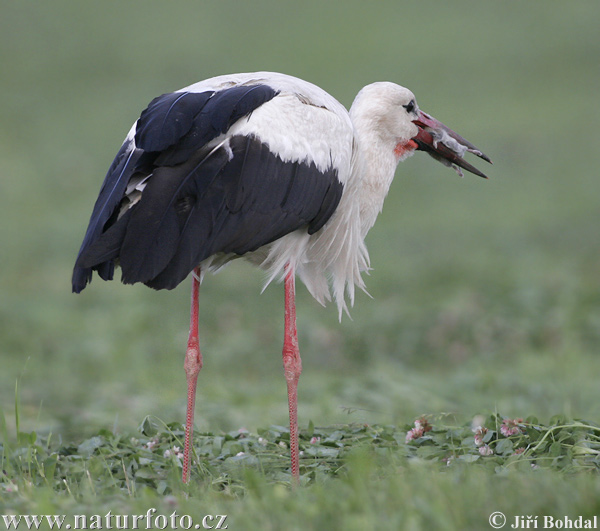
(192, 366)
(292, 364)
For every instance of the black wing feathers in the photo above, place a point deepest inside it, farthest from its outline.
(168, 118)
(199, 202)
(173, 128)
(109, 198)
(178, 124)
(154, 230)
(254, 199)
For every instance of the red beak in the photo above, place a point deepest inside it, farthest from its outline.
(445, 145)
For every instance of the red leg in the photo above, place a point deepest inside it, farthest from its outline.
(292, 365)
(192, 366)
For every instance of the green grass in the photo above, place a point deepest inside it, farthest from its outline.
(486, 294)
(347, 473)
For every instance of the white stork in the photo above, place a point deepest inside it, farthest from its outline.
(264, 166)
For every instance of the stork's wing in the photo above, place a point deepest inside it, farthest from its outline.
(199, 198)
(107, 203)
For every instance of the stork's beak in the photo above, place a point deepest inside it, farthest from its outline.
(445, 145)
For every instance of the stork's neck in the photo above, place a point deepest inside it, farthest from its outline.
(375, 166)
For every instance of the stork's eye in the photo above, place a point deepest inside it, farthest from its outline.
(410, 106)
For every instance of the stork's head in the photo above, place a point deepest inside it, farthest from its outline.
(392, 112)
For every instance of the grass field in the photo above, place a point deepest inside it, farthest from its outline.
(486, 294)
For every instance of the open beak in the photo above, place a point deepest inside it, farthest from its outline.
(445, 145)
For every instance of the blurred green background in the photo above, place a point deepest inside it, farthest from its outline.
(486, 294)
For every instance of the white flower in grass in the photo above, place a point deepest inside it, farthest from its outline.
(151, 444)
(177, 451)
(479, 434)
(486, 450)
(174, 451)
(422, 424)
(414, 433)
(510, 427)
